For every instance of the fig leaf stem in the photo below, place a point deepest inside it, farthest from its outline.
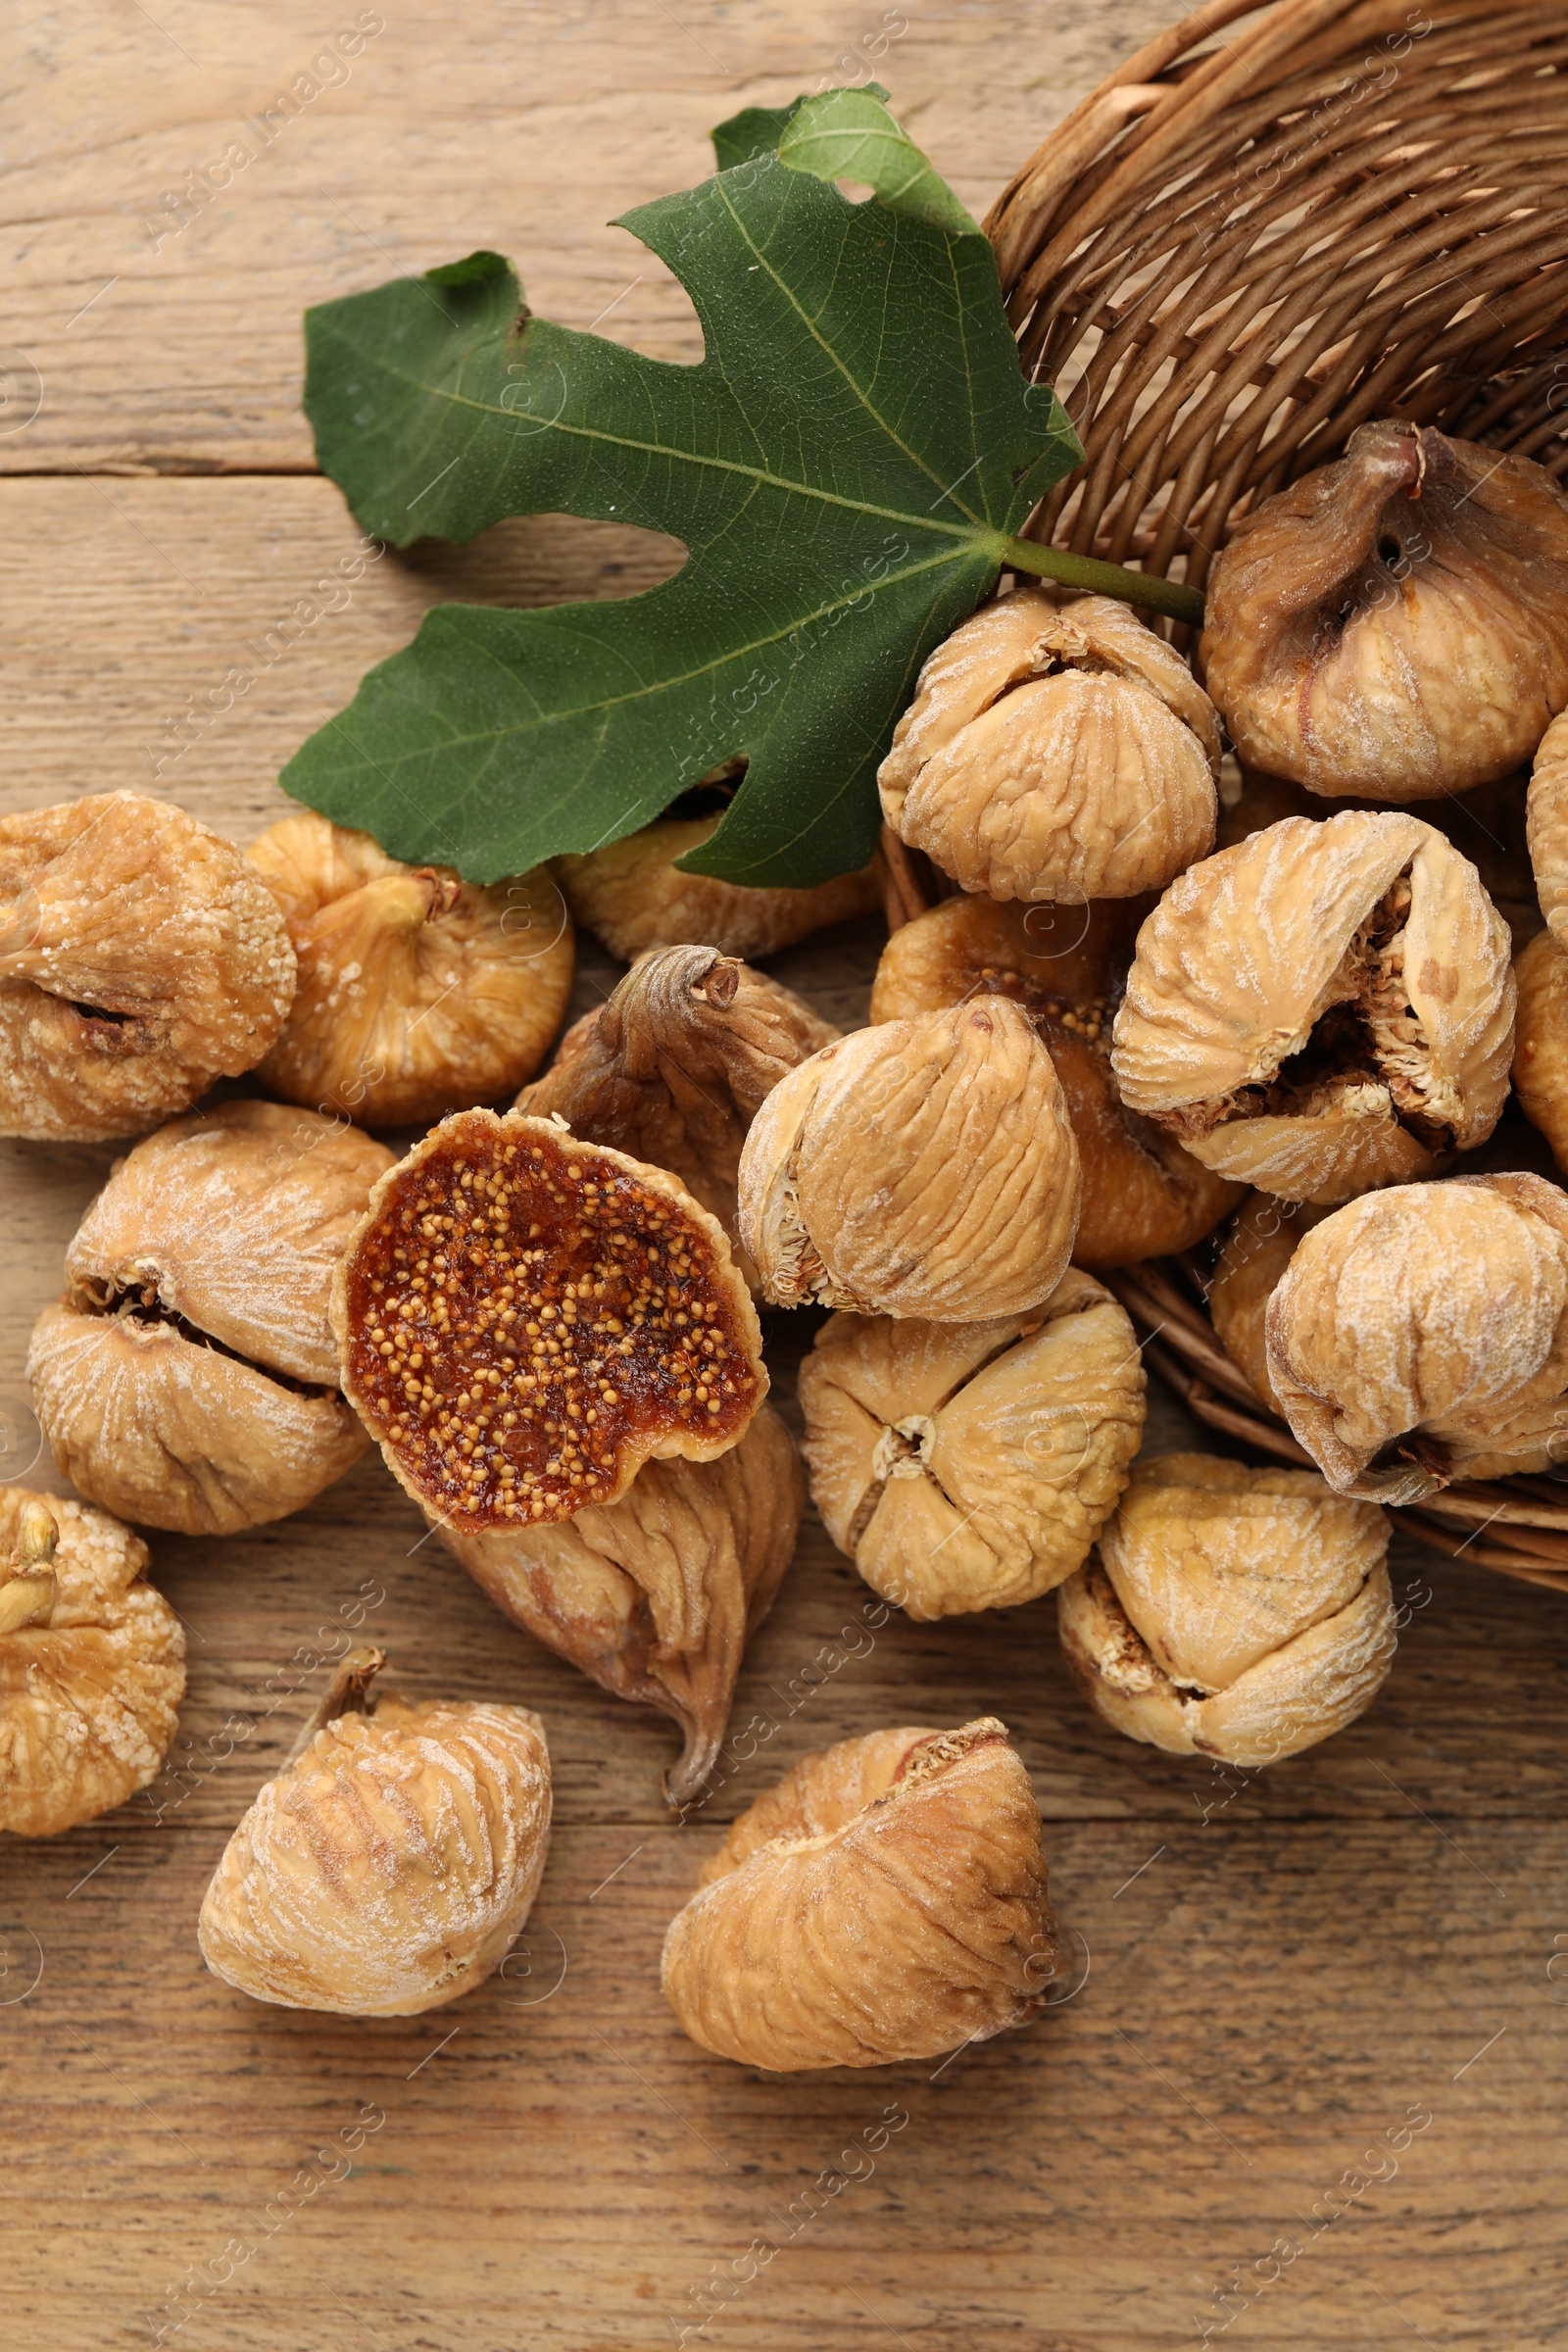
(1096, 578)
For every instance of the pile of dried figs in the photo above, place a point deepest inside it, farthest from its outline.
(1159, 998)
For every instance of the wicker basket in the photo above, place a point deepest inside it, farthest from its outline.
(1275, 222)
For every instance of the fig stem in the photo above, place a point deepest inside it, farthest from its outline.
(684, 1778)
(444, 891)
(1171, 597)
(37, 1534)
(28, 1587)
(345, 1694)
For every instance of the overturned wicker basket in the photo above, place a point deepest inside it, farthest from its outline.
(1273, 223)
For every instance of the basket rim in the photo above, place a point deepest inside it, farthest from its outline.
(1216, 344)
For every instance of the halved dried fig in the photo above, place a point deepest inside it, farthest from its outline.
(887, 1900)
(1322, 1008)
(188, 1378)
(1066, 966)
(1055, 752)
(657, 1594)
(140, 958)
(1421, 1335)
(1395, 625)
(972, 1465)
(634, 897)
(92, 1665)
(524, 1320)
(675, 1067)
(419, 993)
(924, 1167)
(1237, 1613)
(391, 1864)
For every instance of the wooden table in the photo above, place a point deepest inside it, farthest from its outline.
(1278, 1973)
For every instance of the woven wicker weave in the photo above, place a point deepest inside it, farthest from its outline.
(1275, 222)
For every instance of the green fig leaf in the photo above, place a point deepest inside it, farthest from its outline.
(847, 468)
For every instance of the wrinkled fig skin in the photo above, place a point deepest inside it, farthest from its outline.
(886, 1902)
(91, 1678)
(972, 1465)
(924, 1168)
(1322, 1008)
(676, 1065)
(1142, 1194)
(657, 1596)
(1421, 1335)
(1488, 824)
(234, 1220)
(390, 1866)
(188, 1378)
(633, 897)
(1257, 1250)
(1236, 1613)
(419, 993)
(171, 1434)
(1541, 1040)
(1547, 827)
(524, 1319)
(140, 958)
(1395, 626)
(1054, 752)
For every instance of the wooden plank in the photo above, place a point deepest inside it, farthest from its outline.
(557, 2166)
(182, 637)
(1281, 1966)
(165, 336)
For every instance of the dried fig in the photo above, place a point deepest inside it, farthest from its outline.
(674, 1067)
(1257, 1250)
(886, 1902)
(634, 897)
(140, 958)
(419, 993)
(924, 1167)
(393, 1861)
(1421, 1335)
(524, 1320)
(188, 1378)
(1055, 752)
(1143, 1193)
(1236, 1613)
(1323, 1008)
(1395, 625)
(1546, 826)
(1541, 1040)
(972, 1465)
(657, 1594)
(92, 1665)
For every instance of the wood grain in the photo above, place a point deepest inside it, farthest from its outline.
(182, 637)
(1279, 1968)
(526, 127)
